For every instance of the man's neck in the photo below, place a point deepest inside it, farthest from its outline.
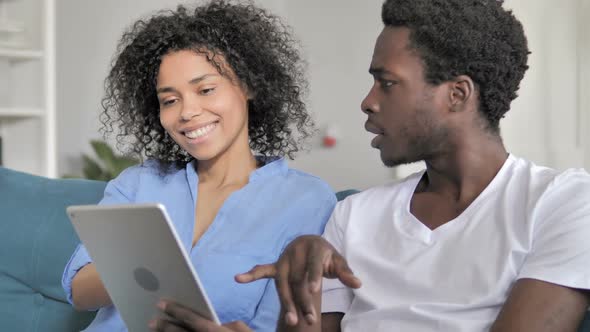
(463, 173)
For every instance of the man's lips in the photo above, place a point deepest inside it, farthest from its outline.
(373, 129)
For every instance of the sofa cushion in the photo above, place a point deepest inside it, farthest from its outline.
(36, 241)
(340, 195)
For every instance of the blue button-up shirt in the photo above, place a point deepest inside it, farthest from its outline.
(252, 227)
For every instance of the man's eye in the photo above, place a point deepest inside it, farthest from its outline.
(387, 84)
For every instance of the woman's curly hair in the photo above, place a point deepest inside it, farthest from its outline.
(477, 38)
(257, 46)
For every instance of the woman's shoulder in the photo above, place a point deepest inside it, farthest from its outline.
(149, 170)
(309, 187)
(308, 180)
(282, 180)
(146, 178)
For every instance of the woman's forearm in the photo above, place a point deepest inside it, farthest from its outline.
(88, 291)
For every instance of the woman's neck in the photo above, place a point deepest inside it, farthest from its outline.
(233, 167)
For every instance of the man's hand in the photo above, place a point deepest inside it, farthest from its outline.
(184, 319)
(298, 275)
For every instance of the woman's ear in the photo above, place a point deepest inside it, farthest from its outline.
(249, 94)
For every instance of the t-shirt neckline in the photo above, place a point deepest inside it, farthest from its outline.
(415, 228)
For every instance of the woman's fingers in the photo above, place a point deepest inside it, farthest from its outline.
(163, 325)
(184, 315)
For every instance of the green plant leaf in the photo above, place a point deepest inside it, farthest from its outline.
(105, 154)
(91, 169)
(106, 166)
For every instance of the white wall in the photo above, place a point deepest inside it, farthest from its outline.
(544, 122)
(338, 38)
(87, 34)
(584, 76)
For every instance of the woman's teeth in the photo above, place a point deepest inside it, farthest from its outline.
(201, 131)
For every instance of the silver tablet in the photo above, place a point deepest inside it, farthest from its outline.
(140, 259)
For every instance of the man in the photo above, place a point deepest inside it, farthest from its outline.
(482, 239)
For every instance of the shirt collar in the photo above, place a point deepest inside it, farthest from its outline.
(271, 165)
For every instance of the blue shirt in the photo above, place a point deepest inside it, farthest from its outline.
(252, 227)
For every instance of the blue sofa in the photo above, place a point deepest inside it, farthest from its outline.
(36, 241)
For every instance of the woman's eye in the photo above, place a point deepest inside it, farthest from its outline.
(207, 91)
(168, 102)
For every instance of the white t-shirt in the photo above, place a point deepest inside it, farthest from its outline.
(530, 222)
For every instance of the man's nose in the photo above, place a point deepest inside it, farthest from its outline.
(369, 103)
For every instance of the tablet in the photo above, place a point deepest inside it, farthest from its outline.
(140, 260)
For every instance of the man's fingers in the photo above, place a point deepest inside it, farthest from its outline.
(343, 272)
(304, 300)
(298, 279)
(285, 295)
(257, 272)
(315, 269)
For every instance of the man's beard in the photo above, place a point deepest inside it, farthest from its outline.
(421, 148)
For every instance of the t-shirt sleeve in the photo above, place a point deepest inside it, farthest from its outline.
(561, 235)
(118, 191)
(335, 296)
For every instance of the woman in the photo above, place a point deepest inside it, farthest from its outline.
(197, 91)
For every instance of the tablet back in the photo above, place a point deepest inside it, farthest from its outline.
(140, 260)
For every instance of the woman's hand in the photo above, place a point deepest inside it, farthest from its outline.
(298, 275)
(184, 319)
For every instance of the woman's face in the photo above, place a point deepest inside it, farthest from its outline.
(204, 112)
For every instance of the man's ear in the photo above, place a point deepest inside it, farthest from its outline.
(462, 90)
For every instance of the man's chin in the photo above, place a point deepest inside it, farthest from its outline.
(394, 162)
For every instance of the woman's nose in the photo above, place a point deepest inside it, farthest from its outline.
(190, 110)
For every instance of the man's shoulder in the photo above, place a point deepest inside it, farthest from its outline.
(548, 190)
(391, 188)
(543, 179)
(378, 198)
(571, 176)
(572, 185)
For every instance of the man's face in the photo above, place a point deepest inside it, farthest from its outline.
(405, 112)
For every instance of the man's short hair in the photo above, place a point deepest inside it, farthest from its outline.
(478, 38)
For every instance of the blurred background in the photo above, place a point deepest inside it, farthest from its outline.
(54, 55)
